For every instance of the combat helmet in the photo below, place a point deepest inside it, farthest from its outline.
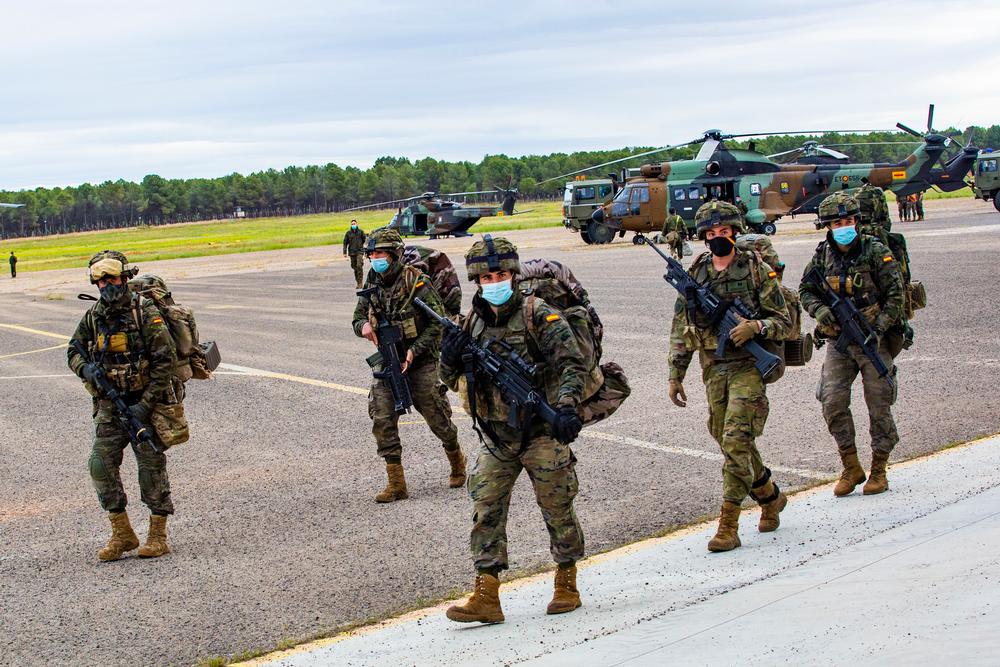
(109, 263)
(715, 213)
(491, 254)
(836, 206)
(387, 239)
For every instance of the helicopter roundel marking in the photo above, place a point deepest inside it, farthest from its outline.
(845, 178)
(784, 187)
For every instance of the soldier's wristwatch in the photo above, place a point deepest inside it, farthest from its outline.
(763, 328)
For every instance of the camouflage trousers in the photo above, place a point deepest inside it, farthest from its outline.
(737, 411)
(110, 442)
(358, 264)
(428, 398)
(834, 392)
(551, 467)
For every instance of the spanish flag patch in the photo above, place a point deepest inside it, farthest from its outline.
(420, 284)
(551, 318)
(887, 258)
(157, 320)
(772, 274)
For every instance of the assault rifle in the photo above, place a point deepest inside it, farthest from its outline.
(390, 341)
(138, 432)
(853, 326)
(512, 375)
(723, 314)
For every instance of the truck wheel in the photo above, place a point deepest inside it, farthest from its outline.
(585, 236)
(600, 233)
(635, 240)
(770, 229)
(996, 200)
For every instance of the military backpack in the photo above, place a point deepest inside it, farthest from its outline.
(442, 273)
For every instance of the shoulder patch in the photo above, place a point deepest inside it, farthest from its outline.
(420, 284)
(551, 318)
(887, 258)
(772, 274)
(157, 320)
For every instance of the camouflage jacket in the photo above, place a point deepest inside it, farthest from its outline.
(354, 241)
(867, 272)
(134, 348)
(757, 287)
(674, 223)
(547, 342)
(395, 290)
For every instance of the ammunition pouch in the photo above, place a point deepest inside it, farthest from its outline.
(128, 378)
(798, 352)
(916, 298)
(170, 424)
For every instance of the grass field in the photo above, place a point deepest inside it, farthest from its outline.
(198, 239)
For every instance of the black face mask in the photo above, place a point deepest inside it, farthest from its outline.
(112, 294)
(721, 246)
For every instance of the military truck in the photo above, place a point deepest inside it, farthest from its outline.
(583, 196)
(986, 177)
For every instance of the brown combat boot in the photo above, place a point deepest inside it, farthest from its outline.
(457, 460)
(156, 541)
(565, 596)
(122, 537)
(877, 482)
(727, 536)
(483, 606)
(396, 488)
(853, 474)
(771, 500)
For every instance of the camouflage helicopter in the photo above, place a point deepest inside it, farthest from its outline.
(768, 189)
(431, 214)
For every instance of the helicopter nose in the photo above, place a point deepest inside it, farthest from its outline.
(598, 215)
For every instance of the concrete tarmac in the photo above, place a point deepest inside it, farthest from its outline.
(276, 538)
(907, 577)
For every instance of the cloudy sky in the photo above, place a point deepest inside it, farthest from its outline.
(107, 90)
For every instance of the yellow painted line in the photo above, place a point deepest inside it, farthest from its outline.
(590, 561)
(44, 349)
(257, 372)
(37, 332)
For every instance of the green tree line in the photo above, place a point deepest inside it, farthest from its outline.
(328, 188)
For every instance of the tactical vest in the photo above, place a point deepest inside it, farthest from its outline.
(396, 303)
(740, 280)
(855, 277)
(118, 346)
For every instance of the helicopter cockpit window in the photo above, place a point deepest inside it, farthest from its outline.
(987, 166)
(638, 194)
(603, 191)
(679, 194)
(694, 192)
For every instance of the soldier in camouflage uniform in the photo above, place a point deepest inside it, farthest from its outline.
(539, 334)
(874, 210)
(674, 231)
(127, 338)
(862, 269)
(396, 286)
(354, 245)
(737, 401)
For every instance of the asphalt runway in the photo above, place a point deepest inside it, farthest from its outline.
(276, 537)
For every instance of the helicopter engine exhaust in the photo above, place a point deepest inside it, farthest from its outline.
(713, 168)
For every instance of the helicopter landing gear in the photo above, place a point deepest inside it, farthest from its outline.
(636, 240)
(769, 228)
(996, 200)
(600, 233)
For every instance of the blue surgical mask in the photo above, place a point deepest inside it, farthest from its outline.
(380, 265)
(845, 235)
(354, 226)
(498, 293)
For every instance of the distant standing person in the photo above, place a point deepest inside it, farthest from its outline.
(13, 265)
(674, 231)
(901, 207)
(354, 245)
(919, 205)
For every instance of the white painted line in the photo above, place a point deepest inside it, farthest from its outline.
(697, 453)
(33, 377)
(294, 378)
(44, 349)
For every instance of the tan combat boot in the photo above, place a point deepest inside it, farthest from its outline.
(122, 537)
(457, 460)
(483, 606)
(877, 482)
(727, 536)
(156, 541)
(772, 500)
(853, 474)
(565, 596)
(396, 488)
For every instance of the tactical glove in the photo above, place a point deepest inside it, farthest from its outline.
(140, 411)
(743, 332)
(676, 393)
(825, 317)
(567, 425)
(89, 372)
(453, 344)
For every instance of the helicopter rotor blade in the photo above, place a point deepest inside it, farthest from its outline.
(909, 130)
(381, 204)
(837, 155)
(624, 159)
(794, 150)
(930, 118)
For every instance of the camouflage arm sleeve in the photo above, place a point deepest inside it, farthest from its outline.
(347, 239)
(773, 309)
(892, 290)
(679, 357)
(429, 339)
(360, 316)
(808, 295)
(82, 334)
(162, 354)
(558, 345)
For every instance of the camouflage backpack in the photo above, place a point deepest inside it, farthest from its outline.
(194, 359)
(442, 273)
(607, 386)
(797, 348)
